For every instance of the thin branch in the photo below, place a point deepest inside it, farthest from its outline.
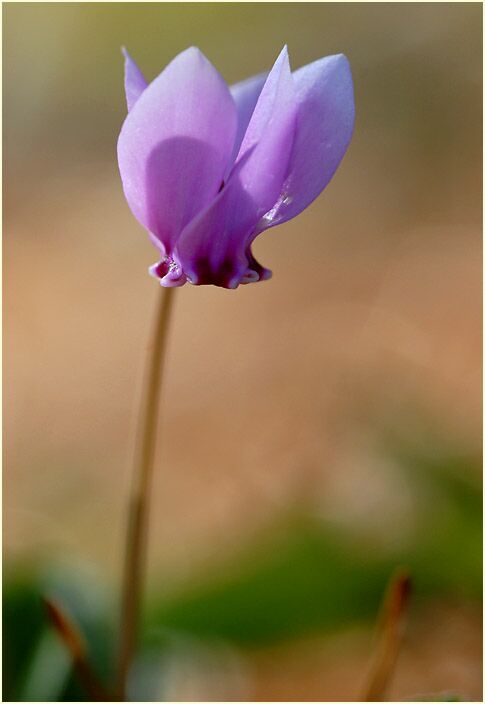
(389, 637)
(72, 638)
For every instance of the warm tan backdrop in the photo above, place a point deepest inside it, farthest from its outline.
(278, 391)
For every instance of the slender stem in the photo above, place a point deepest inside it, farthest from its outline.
(390, 631)
(145, 441)
(76, 646)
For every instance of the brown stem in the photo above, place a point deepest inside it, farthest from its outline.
(145, 440)
(75, 644)
(389, 636)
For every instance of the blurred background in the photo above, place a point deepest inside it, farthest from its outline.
(319, 430)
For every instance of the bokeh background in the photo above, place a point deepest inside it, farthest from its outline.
(319, 430)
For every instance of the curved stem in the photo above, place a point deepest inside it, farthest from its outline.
(136, 541)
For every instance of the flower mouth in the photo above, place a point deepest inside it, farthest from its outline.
(204, 273)
(225, 275)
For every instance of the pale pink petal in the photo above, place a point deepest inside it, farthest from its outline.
(175, 144)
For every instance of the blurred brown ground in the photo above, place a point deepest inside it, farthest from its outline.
(279, 389)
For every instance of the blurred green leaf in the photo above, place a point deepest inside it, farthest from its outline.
(35, 666)
(50, 657)
(447, 553)
(303, 578)
(23, 625)
(300, 576)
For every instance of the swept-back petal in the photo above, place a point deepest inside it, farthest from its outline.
(135, 82)
(174, 145)
(325, 123)
(245, 94)
(263, 158)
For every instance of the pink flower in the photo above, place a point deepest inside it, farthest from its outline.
(206, 168)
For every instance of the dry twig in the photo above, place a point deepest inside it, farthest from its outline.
(76, 645)
(389, 636)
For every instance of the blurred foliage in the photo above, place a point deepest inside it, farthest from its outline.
(35, 664)
(307, 576)
(302, 576)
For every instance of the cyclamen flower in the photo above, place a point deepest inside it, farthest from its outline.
(206, 168)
